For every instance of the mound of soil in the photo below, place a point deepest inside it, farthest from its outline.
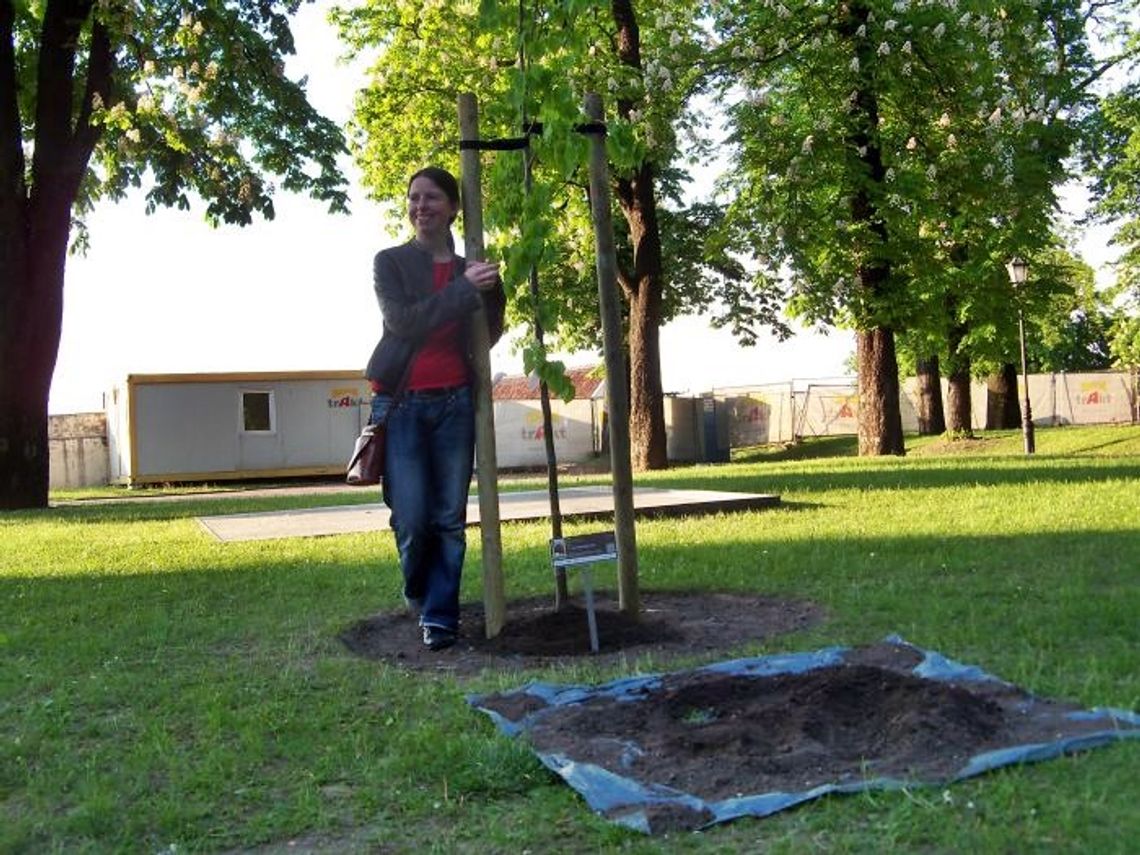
(670, 624)
(719, 736)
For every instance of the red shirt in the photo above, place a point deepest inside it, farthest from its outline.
(440, 362)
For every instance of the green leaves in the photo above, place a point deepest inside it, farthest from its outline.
(893, 155)
(534, 69)
(201, 103)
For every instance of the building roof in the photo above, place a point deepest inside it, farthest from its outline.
(519, 387)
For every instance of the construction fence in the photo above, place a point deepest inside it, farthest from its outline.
(783, 412)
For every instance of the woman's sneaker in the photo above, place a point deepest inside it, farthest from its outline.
(438, 637)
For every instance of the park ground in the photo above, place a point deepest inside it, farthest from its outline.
(164, 692)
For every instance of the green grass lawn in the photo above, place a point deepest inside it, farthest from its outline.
(164, 692)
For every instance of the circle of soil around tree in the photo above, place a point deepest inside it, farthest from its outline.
(671, 624)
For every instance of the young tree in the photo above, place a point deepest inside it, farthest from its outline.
(99, 97)
(644, 61)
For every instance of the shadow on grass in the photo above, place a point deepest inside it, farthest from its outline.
(1007, 585)
(815, 448)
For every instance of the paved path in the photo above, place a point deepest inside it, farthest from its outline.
(576, 503)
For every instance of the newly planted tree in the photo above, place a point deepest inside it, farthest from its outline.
(645, 63)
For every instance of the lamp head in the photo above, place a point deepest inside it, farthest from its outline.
(1018, 269)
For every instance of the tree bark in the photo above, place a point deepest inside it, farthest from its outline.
(959, 409)
(931, 417)
(647, 401)
(642, 286)
(959, 413)
(880, 418)
(29, 343)
(1003, 411)
(36, 222)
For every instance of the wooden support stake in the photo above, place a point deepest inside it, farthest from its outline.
(617, 397)
(494, 599)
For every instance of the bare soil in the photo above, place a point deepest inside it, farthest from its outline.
(671, 624)
(717, 735)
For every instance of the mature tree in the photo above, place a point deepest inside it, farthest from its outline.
(1003, 410)
(534, 61)
(892, 155)
(1112, 156)
(101, 97)
(1070, 329)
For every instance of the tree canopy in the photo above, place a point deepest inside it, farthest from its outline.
(534, 62)
(96, 98)
(958, 163)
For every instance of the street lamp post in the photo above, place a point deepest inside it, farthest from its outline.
(1018, 270)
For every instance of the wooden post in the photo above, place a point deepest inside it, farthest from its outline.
(617, 397)
(494, 599)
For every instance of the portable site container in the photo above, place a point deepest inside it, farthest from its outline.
(576, 426)
(211, 427)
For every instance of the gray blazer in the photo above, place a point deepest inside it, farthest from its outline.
(402, 279)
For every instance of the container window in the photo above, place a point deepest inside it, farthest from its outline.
(257, 412)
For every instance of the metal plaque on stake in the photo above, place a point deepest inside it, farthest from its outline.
(580, 552)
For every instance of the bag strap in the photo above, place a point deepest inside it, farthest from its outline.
(396, 395)
(402, 386)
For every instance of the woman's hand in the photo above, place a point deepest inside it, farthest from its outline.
(482, 274)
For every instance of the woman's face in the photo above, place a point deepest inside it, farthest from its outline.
(429, 209)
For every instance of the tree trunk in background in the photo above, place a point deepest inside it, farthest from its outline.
(958, 409)
(931, 417)
(642, 287)
(959, 414)
(880, 419)
(1003, 412)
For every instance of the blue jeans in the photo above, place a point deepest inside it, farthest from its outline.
(427, 472)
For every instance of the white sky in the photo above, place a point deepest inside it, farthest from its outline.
(168, 293)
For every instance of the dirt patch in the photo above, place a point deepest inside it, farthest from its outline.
(956, 445)
(718, 736)
(671, 624)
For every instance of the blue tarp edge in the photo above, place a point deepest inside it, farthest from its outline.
(625, 800)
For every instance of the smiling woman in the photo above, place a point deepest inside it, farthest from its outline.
(421, 372)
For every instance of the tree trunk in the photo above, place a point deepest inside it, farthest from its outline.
(642, 287)
(647, 401)
(35, 222)
(959, 415)
(23, 407)
(880, 419)
(1003, 412)
(31, 309)
(931, 417)
(880, 416)
(959, 411)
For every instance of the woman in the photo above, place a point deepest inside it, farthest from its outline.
(427, 294)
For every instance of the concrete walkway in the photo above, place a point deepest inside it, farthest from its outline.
(577, 503)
